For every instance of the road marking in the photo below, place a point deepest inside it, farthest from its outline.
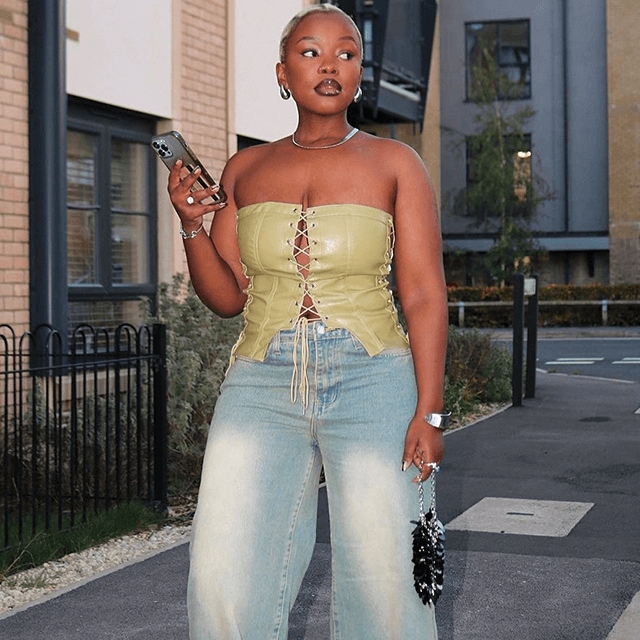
(628, 623)
(627, 361)
(574, 361)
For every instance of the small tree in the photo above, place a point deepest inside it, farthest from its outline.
(501, 193)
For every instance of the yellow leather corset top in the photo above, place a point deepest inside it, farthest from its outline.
(348, 248)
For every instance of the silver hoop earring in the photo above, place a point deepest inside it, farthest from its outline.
(285, 94)
(358, 95)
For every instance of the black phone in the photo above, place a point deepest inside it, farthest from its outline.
(171, 146)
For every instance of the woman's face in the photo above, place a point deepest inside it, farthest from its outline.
(322, 66)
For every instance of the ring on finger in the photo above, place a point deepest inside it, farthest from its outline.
(190, 200)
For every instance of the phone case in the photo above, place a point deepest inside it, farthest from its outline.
(171, 146)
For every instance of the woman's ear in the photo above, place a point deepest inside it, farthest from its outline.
(281, 74)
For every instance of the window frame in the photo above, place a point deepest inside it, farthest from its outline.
(109, 123)
(528, 94)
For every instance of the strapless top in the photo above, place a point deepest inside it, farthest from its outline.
(350, 247)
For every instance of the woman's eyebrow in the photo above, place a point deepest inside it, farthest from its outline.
(307, 39)
(317, 40)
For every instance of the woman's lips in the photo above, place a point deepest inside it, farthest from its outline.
(329, 88)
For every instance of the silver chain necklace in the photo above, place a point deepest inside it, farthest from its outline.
(326, 146)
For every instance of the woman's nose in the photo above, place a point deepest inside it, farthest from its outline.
(328, 66)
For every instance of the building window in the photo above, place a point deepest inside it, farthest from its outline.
(502, 50)
(111, 221)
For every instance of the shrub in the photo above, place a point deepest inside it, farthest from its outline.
(198, 348)
(557, 315)
(477, 371)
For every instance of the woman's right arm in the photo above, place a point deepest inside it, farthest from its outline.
(214, 260)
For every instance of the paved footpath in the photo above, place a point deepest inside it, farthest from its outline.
(542, 506)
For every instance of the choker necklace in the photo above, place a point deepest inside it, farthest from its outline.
(326, 146)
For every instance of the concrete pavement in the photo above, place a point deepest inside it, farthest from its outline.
(542, 506)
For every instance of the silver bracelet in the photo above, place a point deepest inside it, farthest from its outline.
(191, 234)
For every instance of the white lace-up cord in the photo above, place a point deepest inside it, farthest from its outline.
(299, 377)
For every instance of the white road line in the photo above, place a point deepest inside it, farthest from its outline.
(574, 362)
(628, 623)
(627, 361)
(580, 359)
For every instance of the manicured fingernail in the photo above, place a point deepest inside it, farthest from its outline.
(222, 205)
(215, 187)
(405, 465)
(197, 170)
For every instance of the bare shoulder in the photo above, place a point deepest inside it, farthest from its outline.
(393, 153)
(244, 159)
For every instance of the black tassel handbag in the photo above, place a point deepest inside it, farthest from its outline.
(428, 546)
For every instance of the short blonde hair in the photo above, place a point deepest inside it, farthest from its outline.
(314, 8)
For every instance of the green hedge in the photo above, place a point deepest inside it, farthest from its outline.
(569, 315)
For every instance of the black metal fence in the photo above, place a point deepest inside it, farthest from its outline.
(81, 428)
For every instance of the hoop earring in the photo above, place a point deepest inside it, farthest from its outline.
(285, 94)
(358, 95)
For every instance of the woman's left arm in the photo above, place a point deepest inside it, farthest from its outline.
(423, 298)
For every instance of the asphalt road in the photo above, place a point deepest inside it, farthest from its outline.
(615, 358)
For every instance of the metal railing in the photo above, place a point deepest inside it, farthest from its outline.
(80, 430)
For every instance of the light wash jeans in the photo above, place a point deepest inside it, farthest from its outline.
(254, 529)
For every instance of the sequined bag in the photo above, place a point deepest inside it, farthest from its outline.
(428, 548)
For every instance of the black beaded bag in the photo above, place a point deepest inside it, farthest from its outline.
(428, 547)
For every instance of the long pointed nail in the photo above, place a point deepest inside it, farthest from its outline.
(405, 465)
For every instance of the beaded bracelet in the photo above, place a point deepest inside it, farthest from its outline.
(191, 234)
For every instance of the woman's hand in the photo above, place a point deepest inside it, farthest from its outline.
(187, 203)
(423, 445)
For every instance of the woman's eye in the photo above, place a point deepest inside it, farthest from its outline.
(309, 53)
(347, 55)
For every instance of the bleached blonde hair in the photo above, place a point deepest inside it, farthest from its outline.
(314, 8)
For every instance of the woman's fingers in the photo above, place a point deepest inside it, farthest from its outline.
(424, 448)
(190, 204)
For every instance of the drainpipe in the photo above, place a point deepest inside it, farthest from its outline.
(565, 106)
(47, 165)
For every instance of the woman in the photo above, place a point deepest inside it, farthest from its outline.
(322, 374)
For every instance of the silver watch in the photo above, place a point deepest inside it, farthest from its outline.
(438, 420)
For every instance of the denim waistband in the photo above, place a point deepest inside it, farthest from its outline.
(299, 338)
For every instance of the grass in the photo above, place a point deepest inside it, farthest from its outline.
(44, 547)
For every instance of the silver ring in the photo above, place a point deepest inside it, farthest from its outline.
(190, 200)
(434, 465)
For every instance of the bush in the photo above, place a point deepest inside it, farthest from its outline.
(476, 372)
(198, 348)
(549, 315)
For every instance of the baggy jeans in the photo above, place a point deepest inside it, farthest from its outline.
(255, 524)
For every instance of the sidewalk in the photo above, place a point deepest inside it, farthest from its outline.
(542, 504)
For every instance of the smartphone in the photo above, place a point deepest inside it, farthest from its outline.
(171, 146)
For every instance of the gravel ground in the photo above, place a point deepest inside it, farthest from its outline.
(26, 586)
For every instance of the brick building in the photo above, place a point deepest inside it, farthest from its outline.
(88, 229)
(623, 53)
